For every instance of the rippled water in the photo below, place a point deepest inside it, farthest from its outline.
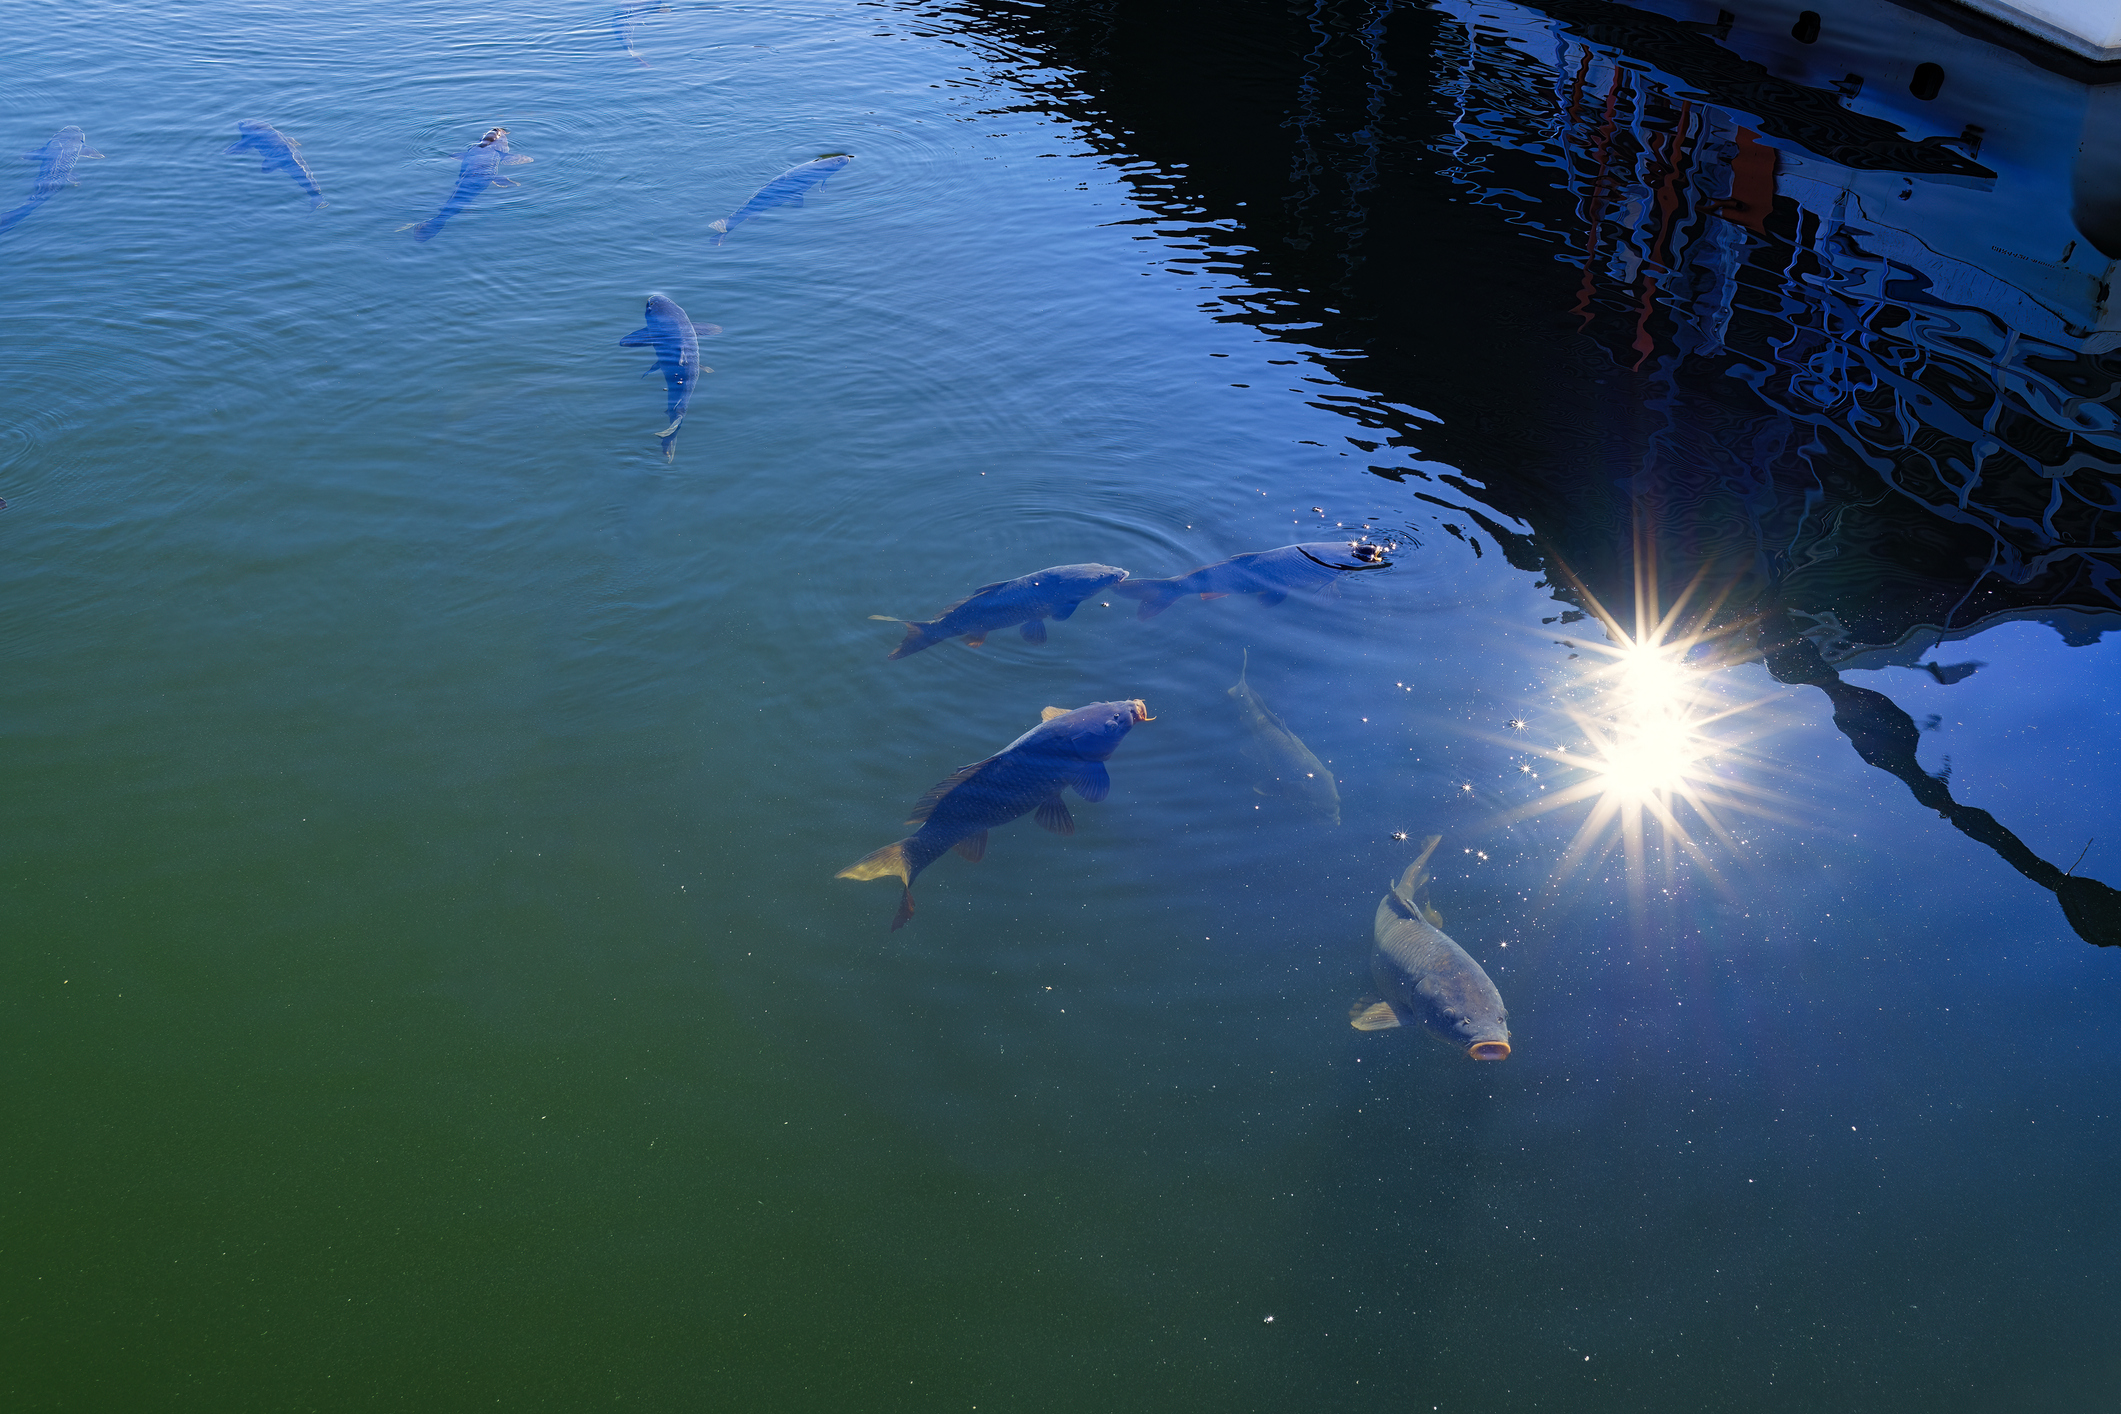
(426, 986)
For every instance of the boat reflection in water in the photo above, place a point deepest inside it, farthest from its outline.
(1872, 314)
(1838, 295)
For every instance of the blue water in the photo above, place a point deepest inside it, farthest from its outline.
(425, 982)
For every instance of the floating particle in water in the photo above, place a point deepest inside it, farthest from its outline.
(1399, 834)
(1516, 724)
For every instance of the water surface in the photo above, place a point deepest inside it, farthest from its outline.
(426, 983)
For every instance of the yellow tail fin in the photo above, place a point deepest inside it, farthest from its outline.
(886, 863)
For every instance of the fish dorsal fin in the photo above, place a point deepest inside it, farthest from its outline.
(1053, 815)
(1417, 873)
(972, 848)
(1370, 1014)
(1051, 712)
(925, 806)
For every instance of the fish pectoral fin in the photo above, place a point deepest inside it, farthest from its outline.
(638, 338)
(86, 153)
(974, 640)
(972, 848)
(1092, 781)
(1053, 815)
(1273, 597)
(672, 429)
(1370, 1014)
(235, 147)
(504, 182)
(516, 159)
(1047, 714)
(653, 369)
(1034, 630)
(1060, 615)
(1428, 911)
(706, 331)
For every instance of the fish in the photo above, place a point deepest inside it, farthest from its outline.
(482, 164)
(1425, 977)
(1270, 574)
(1051, 593)
(785, 190)
(277, 152)
(57, 158)
(626, 22)
(1067, 750)
(1293, 773)
(676, 341)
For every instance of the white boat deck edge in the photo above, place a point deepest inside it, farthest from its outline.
(2091, 28)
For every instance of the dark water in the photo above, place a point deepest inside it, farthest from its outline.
(425, 983)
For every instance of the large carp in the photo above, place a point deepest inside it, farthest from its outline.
(1270, 574)
(1292, 771)
(1066, 750)
(1051, 593)
(1422, 976)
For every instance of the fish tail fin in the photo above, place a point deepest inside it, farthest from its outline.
(1156, 595)
(1418, 872)
(917, 637)
(886, 863)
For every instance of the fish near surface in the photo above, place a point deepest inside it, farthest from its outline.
(1271, 574)
(1293, 772)
(626, 24)
(676, 341)
(1051, 593)
(787, 189)
(55, 170)
(480, 168)
(277, 153)
(1065, 751)
(1424, 977)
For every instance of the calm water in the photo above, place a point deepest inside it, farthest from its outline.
(425, 984)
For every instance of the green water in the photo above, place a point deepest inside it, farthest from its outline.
(425, 985)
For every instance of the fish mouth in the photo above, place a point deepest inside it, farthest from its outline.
(1489, 1050)
(1141, 710)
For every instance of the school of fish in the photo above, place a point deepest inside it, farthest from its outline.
(1422, 975)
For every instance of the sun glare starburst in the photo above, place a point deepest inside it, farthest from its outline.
(1659, 742)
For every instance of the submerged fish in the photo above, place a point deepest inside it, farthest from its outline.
(1271, 574)
(277, 153)
(785, 190)
(1423, 976)
(1050, 593)
(676, 341)
(1066, 750)
(481, 168)
(1293, 773)
(626, 23)
(56, 170)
